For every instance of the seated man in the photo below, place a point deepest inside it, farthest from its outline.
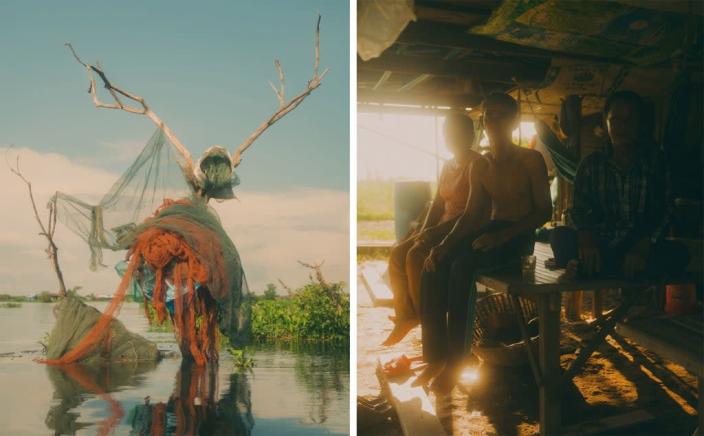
(621, 206)
(512, 183)
(407, 257)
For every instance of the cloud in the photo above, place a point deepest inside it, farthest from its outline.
(272, 231)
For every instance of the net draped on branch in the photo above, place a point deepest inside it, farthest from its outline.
(180, 260)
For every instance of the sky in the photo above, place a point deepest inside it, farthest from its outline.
(204, 69)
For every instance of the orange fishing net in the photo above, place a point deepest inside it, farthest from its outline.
(183, 252)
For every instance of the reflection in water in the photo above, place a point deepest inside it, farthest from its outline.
(72, 382)
(192, 408)
(320, 384)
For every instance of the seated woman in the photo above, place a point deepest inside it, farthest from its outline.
(407, 257)
(621, 204)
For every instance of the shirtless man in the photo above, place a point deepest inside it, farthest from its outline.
(407, 257)
(512, 183)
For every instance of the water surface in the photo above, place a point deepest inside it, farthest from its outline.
(293, 389)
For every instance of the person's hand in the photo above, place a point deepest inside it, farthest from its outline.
(488, 241)
(589, 256)
(436, 254)
(635, 260)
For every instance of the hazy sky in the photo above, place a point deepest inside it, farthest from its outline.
(203, 68)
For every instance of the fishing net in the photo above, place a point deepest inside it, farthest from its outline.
(180, 260)
(154, 176)
(74, 319)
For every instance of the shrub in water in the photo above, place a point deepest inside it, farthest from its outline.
(318, 311)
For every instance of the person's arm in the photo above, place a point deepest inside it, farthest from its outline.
(586, 215)
(437, 207)
(478, 203)
(542, 207)
(586, 212)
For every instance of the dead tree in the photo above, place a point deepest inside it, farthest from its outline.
(118, 94)
(47, 230)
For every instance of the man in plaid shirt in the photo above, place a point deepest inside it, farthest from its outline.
(621, 206)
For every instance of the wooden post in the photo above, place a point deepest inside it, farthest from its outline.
(549, 359)
(700, 421)
(598, 303)
(573, 305)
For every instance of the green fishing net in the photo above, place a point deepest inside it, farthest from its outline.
(130, 207)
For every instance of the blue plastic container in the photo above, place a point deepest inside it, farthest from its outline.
(410, 198)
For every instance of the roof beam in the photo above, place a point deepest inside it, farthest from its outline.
(434, 99)
(446, 35)
(450, 16)
(384, 77)
(413, 83)
(498, 71)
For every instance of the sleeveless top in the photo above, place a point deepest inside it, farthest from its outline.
(453, 188)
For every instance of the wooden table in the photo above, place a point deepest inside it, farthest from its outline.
(545, 289)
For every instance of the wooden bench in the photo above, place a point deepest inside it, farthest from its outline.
(546, 289)
(676, 338)
(375, 280)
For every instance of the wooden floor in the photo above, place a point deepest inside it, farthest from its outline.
(416, 413)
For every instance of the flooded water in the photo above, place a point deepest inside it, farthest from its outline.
(293, 389)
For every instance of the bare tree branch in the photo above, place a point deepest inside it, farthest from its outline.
(47, 231)
(284, 107)
(316, 267)
(286, 287)
(116, 92)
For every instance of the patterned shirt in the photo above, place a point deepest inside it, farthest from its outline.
(622, 206)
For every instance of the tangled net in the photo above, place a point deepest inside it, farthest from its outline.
(184, 246)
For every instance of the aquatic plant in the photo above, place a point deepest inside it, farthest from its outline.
(319, 311)
(242, 359)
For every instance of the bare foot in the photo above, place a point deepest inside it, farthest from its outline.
(430, 372)
(399, 332)
(445, 382)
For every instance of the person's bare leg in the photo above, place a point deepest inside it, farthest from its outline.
(415, 260)
(403, 307)
(446, 380)
(400, 330)
(429, 372)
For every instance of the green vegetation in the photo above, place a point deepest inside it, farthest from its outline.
(14, 298)
(270, 292)
(46, 297)
(154, 326)
(375, 200)
(242, 359)
(318, 311)
(10, 305)
(375, 231)
(372, 254)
